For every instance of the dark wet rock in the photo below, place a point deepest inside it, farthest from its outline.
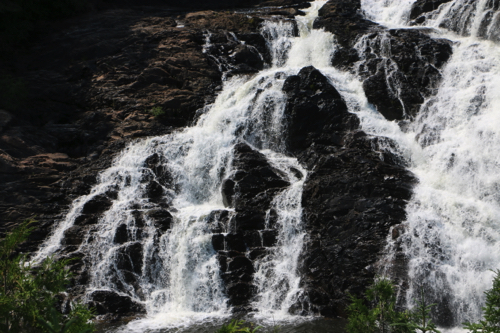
(218, 242)
(425, 6)
(399, 68)
(257, 253)
(461, 19)
(398, 78)
(255, 180)
(154, 191)
(315, 110)
(121, 234)
(351, 198)
(240, 293)
(98, 204)
(73, 236)
(269, 237)
(249, 220)
(111, 302)
(250, 190)
(227, 190)
(162, 219)
(235, 242)
(84, 220)
(343, 18)
(249, 55)
(218, 220)
(129, 258)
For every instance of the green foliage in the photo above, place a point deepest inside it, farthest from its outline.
(236, 326)
(27, 295)
(491, 322)
(157, 111)
(382, 317)
(420, 316)
(57, 324)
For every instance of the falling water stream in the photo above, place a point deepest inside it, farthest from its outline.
(179, 279)
(453, 230)
(452, 239)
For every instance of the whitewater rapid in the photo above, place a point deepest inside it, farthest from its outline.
(452, 236)
(452, 240)
(179, 280)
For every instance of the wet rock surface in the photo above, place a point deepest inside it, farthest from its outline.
(461, 17)
(397, 79)
(352, 196)
(106, 302)
(249, 190)
(89, 89)
(399, 67)
(424, 6)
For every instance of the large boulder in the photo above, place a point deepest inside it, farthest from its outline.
(343, 18)
(399, 67)
(315, 110)
(354, 192)
(250, 189)
(420, 7)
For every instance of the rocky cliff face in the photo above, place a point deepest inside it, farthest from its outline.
(399, 68)
(93, 87)
(80, 94)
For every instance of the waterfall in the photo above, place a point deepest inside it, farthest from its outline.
(173, 270)
(452, 237)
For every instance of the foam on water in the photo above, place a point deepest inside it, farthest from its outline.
(179, 280)
(452, 239)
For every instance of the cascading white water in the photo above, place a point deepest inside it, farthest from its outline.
(452, 237)
(178, 279)
(453, 231)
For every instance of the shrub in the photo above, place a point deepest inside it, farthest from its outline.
(236, 326)
(157, 111)
(381, 316)
(491, 322)
(27, 295)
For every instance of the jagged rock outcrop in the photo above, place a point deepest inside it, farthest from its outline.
(399, 68)
(352, 196)
(85, 91)
(424, 6)
(464, 17)
(344, 19)
(249, 190)
(397, 79)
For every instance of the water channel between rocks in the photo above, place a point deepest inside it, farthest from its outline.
(453, 236)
